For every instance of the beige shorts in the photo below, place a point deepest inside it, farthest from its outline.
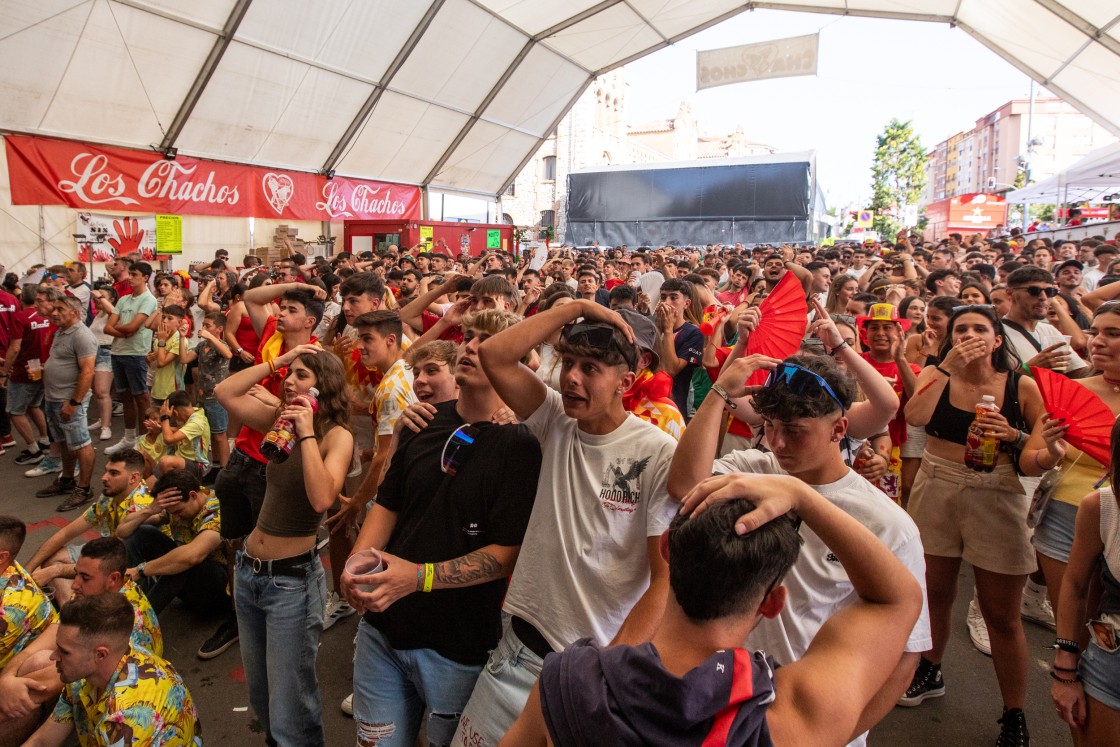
(978, 516)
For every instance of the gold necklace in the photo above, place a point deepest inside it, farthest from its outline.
(1114, 384)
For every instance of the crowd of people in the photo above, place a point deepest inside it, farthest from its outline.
(600, 497)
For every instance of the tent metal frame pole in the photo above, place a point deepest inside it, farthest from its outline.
(217, 52)
(359, 121)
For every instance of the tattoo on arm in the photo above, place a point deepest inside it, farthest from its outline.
(473, 568)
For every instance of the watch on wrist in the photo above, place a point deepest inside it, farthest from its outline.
(74, 403)
(140, 569)
(161, 345)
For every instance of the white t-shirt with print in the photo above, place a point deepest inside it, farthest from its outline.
(1046, 334)
(583, 563)
(817, 585)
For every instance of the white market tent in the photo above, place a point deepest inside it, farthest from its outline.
(451, 94)
(1091, 178)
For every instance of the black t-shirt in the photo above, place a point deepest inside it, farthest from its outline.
(439, 517)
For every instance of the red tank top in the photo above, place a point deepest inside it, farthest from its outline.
(246, 335)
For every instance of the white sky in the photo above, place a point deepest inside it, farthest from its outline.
(868, 71)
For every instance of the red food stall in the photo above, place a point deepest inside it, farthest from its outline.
(965, 214)
(443, 236)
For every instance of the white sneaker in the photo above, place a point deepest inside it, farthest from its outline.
(48, 465)
(1036, 608)
(124, 443)
(978, 629)
(348, 705)
(94, 425)
(106, 434)
(118, 409)
(336, 609)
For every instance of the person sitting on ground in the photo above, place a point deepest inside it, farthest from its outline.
(26, 615)
(123, 490)
(116, 693)
(692, 681)
(174, 545)
(188, 443)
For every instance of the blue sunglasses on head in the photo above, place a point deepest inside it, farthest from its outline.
(801, 381)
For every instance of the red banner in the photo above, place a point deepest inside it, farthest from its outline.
(45, 171)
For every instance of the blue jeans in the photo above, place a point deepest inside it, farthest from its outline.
(499, 695)
(393, 687)
(279, 619)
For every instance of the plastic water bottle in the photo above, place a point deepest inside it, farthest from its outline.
(278, 442)
(981, 450)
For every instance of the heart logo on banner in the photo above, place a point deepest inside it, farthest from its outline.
(278, 190)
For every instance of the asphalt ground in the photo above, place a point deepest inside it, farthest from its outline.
(965, 716)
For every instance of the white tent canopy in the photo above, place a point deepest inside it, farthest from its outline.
(1091, 178)
(453, 94)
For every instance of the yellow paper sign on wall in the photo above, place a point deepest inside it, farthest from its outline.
(169, 234)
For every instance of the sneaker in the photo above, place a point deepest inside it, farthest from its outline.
(78, 498)
(48, 465)
(94, 425)
(44, 444)
(224, 637)
(978, 629)
(106, 434)
(1036, 608)
(124, 443)
(336, 609)
(1013, 729)
(927, 683)
(118, 409)
(29, 457)
(61, 486)
(348, 705)
(7, 442)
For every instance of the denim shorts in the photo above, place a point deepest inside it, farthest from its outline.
(104, 360)
(1053, 537)
(1100, 674)
(500, 694)
(22, 396)
(74, 432)
(130, 374)
(216, 415)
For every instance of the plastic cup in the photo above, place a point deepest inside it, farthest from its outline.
(34, 369)
(363, 563)
(1067, 349)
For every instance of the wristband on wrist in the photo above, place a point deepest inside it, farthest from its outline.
(843, 344)
(722, 394)
(164, 418)
(942, 370)
(1065, 644)
(419, 576)
(1065, 680)
(429, 576)
(304, 438)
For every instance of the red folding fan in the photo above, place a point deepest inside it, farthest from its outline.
(1089, 419)
(785, 315)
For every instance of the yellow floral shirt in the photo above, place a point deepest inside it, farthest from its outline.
(26, 612)
(145, 703)
(393, 395)
(146, 633)
(106, 513)
(209, 518)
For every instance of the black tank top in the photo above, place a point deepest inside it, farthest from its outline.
(950, 423)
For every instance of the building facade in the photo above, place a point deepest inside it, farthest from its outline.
(997, 147)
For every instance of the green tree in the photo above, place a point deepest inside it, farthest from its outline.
(898, 175)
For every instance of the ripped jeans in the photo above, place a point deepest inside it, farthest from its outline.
(393, 689)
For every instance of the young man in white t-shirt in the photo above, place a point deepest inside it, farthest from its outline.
(802, 407)
(590, 564)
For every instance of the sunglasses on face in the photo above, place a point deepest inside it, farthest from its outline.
(600, 337)
(801, 381)
(456, 449)
(1037, 290)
